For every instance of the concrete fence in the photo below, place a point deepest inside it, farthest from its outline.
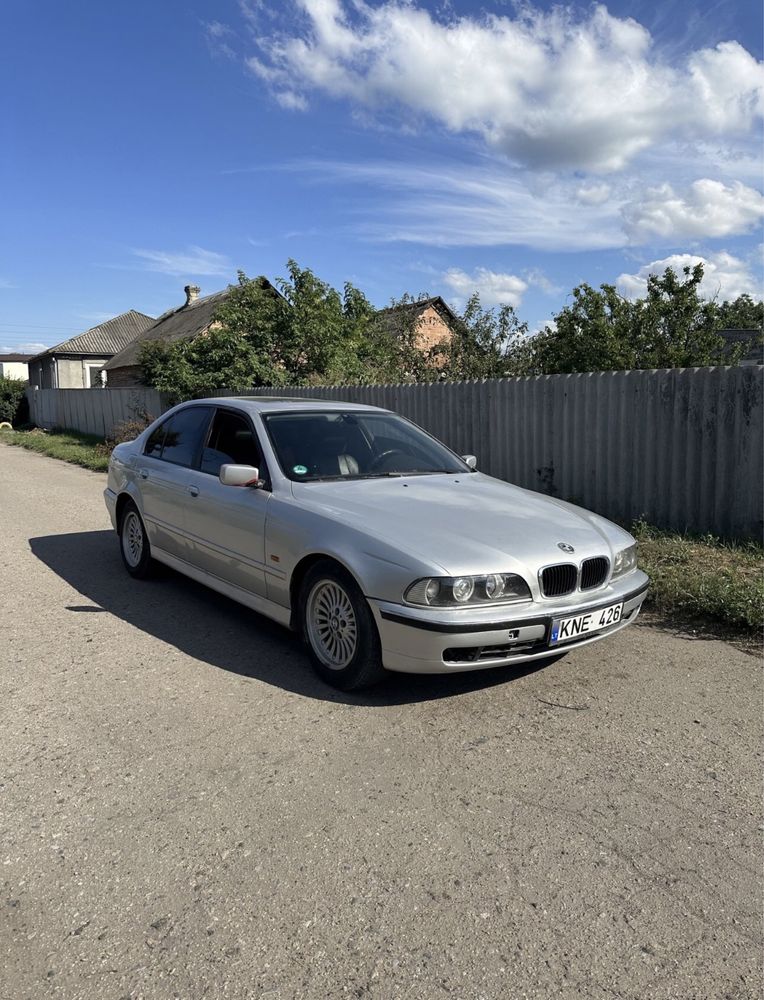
(682, 448)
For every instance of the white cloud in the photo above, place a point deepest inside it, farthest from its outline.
(549, 89)
(474, 205)
(5, 283)
(707, 208)
(31, 347)
(494, 288)
(191, 262)
(536, 277)
(724, 277)
(219, 38)
(593, 194)
(291, 101)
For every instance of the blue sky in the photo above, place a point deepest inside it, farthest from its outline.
(417, 146)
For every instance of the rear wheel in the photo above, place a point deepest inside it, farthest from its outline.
(339, 629)
(134, 542)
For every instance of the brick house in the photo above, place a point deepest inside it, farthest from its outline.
(432, 320)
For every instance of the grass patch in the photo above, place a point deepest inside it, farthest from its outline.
(70, 446)
(703, 577)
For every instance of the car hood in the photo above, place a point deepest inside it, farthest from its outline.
(467, 523)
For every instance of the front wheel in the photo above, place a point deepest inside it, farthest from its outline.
(134, 543)
(339, 629)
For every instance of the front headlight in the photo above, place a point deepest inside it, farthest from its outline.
(625, 560)
(459, 591)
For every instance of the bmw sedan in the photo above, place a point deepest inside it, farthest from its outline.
(356, 528)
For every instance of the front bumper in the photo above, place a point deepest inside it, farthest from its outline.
(438, 641)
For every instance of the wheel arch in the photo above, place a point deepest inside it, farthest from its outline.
(123, 498)
(299, 573)
(122, 501)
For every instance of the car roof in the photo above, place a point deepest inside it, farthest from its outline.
(285, 404)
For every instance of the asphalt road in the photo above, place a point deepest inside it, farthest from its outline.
(186, 811)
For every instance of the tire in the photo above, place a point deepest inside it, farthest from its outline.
(134, 544)
(339, 629)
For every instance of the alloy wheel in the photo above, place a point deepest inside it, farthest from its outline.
(132, 538)
(331, 624)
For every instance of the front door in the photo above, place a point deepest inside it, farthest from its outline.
(226, 524)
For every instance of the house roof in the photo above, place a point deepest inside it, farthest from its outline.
(22, 358)
(753, 338)
(391, 313)
(182, 323)
(106, 338)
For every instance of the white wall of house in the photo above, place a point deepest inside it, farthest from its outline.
(14, 369)
(67, 373)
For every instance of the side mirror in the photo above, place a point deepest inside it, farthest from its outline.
(239, 475)
(470, 460)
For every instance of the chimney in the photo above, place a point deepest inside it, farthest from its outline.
(192, 293)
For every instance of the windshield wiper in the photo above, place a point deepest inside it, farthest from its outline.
(378, 475)
(409, 472)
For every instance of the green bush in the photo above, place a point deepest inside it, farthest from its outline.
(13, 403)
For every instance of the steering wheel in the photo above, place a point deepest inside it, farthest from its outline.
(377, 462)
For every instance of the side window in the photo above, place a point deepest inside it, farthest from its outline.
(156, 440)
(231, 441)
(185, 433)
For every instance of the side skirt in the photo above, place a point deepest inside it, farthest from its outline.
(260, 604)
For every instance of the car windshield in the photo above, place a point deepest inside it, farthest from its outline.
(355, 445)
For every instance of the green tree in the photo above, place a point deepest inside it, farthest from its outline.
(600, 330)
(307, 333)
(239, 350)
(742, 314)
(13, 406)
(330, 338)
(484, 342)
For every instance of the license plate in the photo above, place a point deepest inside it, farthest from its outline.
(565, 629)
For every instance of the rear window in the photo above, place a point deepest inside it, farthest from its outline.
(179, 439)
(156, 440)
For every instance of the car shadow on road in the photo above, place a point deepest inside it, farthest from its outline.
(216, 630)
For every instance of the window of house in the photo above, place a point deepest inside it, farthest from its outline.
(93, 374)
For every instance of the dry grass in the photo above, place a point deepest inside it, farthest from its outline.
(703, 577)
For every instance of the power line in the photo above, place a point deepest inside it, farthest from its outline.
(30, 326)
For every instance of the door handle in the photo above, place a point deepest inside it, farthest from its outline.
(193, 490)
(144, 473)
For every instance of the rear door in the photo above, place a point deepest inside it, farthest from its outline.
(226, 524)
(164, 472)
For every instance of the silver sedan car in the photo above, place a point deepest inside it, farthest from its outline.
(376, 542)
